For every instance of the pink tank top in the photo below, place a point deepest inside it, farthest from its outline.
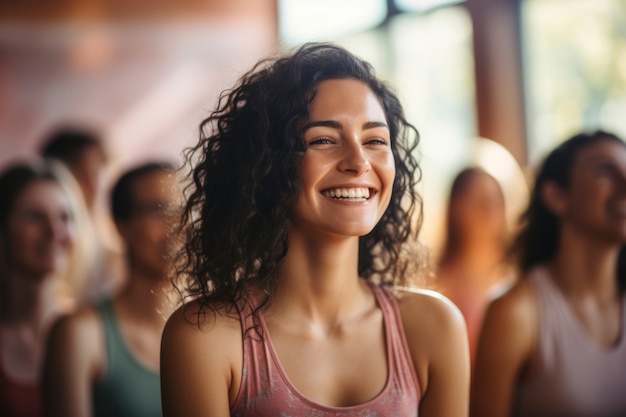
(267, 392)
(575, 376)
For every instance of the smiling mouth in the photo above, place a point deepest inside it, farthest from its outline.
(348, 194)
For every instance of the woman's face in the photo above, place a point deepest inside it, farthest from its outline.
(477, 212)
(40, 230)
(595, 200)
(147, 233)
(348, 169)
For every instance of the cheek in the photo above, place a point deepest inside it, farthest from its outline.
(312, 168)
(150, 239)
(23, 237)
(388, 174)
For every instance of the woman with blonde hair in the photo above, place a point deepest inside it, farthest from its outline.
(37, 231)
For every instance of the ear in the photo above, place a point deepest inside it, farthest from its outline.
(553, 197)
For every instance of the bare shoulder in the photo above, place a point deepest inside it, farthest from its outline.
(198, 323)
(437, 339)
(510, 326)
(427, 309)
(201, 360)
(515, 305)
(76, 348)
(193, 329)
(80, 328)
(430, 321)
(505, 349)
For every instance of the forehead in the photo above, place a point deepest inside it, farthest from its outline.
(156, 185)
(339, 96)
(44, 193)
(602, 151)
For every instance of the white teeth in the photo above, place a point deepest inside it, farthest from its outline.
(348, 193)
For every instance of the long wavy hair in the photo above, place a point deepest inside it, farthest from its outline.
(14, 180)
(244, 179)
(538, 237)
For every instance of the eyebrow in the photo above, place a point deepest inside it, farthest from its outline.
(336, 125)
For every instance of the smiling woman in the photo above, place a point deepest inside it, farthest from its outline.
(299, 218)
(348, 157)
(554, 344)
(37, 232)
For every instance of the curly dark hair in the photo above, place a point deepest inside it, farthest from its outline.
(537, 239)
(244, 179)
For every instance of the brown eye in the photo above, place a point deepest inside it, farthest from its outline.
(322, 141)
(377, 141)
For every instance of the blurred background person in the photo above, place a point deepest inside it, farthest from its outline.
(472, 261)
(82, 151)
(104, 361)
(554, 344)
(37, 230)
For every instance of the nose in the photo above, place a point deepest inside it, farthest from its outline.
(58, 229)
(354, 160)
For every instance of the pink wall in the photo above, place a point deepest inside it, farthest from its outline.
(145, 84)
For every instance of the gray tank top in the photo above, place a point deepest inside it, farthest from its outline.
(575, 376)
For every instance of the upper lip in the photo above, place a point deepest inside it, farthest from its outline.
(334, 187)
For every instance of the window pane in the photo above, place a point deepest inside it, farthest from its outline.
(575, 74)
(423, 5)
(302, 21)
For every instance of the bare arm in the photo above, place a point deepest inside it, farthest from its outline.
(200, 366)
(438, 341)
(504, 348)
(73, 357)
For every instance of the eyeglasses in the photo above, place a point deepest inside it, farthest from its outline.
(156, 210)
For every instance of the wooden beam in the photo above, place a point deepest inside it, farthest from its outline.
(498, 69)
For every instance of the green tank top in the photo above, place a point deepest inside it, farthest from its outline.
(128, 389)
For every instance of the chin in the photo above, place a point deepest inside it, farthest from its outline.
(357, 231)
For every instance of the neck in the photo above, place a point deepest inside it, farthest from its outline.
(318, 279)
(585, 268)
(148, 295)
(31, 300)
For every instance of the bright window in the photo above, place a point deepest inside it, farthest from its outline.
(575, 69)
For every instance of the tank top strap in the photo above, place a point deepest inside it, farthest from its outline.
(556, 325)
(558, 319)
(400, 359)
(112, 336)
